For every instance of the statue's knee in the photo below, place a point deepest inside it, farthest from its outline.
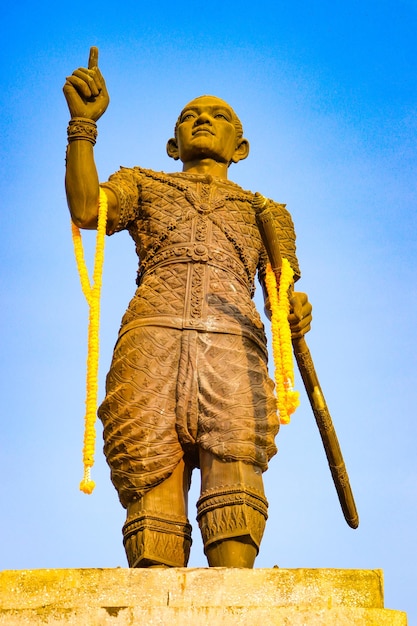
(155, 540)
(232, 522)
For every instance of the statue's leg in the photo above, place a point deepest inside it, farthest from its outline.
(157, 532)
(231, 511)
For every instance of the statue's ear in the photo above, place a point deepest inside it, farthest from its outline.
(172, 149)
(241, 151)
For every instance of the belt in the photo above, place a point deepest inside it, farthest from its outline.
(196, 253)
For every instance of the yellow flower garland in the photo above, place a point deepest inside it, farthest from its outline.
(92, 295)
(287, 398)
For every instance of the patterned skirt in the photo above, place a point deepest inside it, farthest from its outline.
(170, 392)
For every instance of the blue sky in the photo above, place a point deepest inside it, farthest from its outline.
(327, 94)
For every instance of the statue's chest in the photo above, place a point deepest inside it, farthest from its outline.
(200, 212)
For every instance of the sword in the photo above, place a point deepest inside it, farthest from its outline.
(307, 370)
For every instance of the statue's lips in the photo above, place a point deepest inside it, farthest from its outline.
(199, 131)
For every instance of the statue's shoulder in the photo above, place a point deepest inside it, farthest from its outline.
(163, 178)
(146, 173)
(235, 189)
(249, 195)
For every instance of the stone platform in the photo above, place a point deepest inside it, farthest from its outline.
(198, 597)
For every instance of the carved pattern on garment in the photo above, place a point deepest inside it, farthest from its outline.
(179, 220)
(197, 290)
(171, 388)
(150, 538)
(229, 512)
(169, 391)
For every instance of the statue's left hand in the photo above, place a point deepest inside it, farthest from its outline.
(300, 316)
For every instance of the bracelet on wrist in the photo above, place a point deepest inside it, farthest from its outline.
(82, 128)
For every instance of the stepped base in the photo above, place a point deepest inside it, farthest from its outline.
(173, 597)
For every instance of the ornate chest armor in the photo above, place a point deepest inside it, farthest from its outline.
(199, 249)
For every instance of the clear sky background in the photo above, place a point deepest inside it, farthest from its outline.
(327, 93)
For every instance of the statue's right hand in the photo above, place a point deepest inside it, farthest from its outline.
(85, 90)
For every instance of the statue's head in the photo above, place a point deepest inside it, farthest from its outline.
(208, 127)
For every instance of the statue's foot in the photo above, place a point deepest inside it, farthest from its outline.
(232, 553)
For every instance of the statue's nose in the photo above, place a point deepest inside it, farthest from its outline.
(203, 118)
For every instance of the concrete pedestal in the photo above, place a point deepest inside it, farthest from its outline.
(198, 597)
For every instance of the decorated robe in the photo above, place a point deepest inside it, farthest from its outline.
(189, 369)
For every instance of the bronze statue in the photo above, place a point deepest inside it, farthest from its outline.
(188, 385)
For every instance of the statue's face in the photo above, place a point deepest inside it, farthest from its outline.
(207, 129)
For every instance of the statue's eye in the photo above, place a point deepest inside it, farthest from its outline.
(222, 116)
(187, 116)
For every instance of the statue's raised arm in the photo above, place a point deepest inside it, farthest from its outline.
(87, 98)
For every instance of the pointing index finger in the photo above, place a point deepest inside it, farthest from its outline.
(93, 58)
